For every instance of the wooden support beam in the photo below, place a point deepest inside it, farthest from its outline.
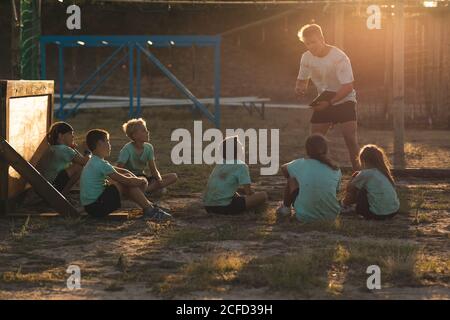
(399, 84)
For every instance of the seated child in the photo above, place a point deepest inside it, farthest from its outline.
(312, 183)
(138, 155)
(373, 188)
(61, 165)
(221, 194)
(102, 185)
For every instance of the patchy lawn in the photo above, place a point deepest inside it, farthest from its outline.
(255, 255)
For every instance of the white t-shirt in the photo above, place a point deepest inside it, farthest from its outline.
(329, 72)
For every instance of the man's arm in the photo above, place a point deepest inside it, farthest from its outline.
(342, 93)
(300, 87)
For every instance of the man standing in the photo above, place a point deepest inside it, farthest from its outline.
(329, 69)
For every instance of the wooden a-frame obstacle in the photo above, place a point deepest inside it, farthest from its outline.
(26, 109)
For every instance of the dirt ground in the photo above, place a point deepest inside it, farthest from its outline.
(252, 256)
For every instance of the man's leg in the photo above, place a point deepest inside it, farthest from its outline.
(349, 132)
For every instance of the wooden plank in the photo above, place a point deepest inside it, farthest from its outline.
(26, 88)
(399, 84)
(41, 186)
(112, 216)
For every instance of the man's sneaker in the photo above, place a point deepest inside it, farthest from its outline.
(283, 210)
(155, 213)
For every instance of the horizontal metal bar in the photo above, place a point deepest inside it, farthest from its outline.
(157, 41)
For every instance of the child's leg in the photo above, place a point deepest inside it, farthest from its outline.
(167, 180)
(255, 200)
(290, 192)
(74, 173)
(362, 205)
(133, 193)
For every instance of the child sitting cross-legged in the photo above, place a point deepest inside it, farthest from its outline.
(139, 155)
(102, 185)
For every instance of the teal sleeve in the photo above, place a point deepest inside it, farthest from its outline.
(69, 154)
(244, 175)
(123, 156)
(107, 168)
(294, 167)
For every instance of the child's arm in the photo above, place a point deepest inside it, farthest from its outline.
(129, 181)
(350, 194)
(122, 170)
(81, 160)
(284, 170)
(119, 165)
(351, 191)
(154, 169)
(246, 189)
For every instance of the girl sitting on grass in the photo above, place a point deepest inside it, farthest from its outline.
(373, 188)
(312, 183)
(227, 179)
(61, 165)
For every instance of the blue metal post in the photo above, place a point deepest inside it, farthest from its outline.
(131, 76)
(60, 113)
(138, 83)
(217, 115)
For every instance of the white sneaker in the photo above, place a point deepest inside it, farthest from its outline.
(283, 210)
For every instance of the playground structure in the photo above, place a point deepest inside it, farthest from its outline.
(126, 47)
(26, 115)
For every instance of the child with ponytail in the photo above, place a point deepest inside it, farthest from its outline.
(312, 183)
(373, 188)
(61, 165)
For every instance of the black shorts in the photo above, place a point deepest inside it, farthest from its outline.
(236, 206)
(338, 113)
(61, 180)
(106, 203)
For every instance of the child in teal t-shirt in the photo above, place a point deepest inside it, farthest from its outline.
(138, 155)
(61, 164)
(102, 185)
(226, 179)
(373, 188)
(312, 184)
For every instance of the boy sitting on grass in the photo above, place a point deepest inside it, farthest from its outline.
(138, 155)
(102, 185)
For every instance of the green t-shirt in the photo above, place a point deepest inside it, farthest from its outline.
(57, 158)
(381, 193)
(133, 161)
(224, 181)
(318, 185)
(93, 179)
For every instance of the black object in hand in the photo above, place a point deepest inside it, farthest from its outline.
(324, 96)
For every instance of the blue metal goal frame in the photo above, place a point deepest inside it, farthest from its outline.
(130, 44)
